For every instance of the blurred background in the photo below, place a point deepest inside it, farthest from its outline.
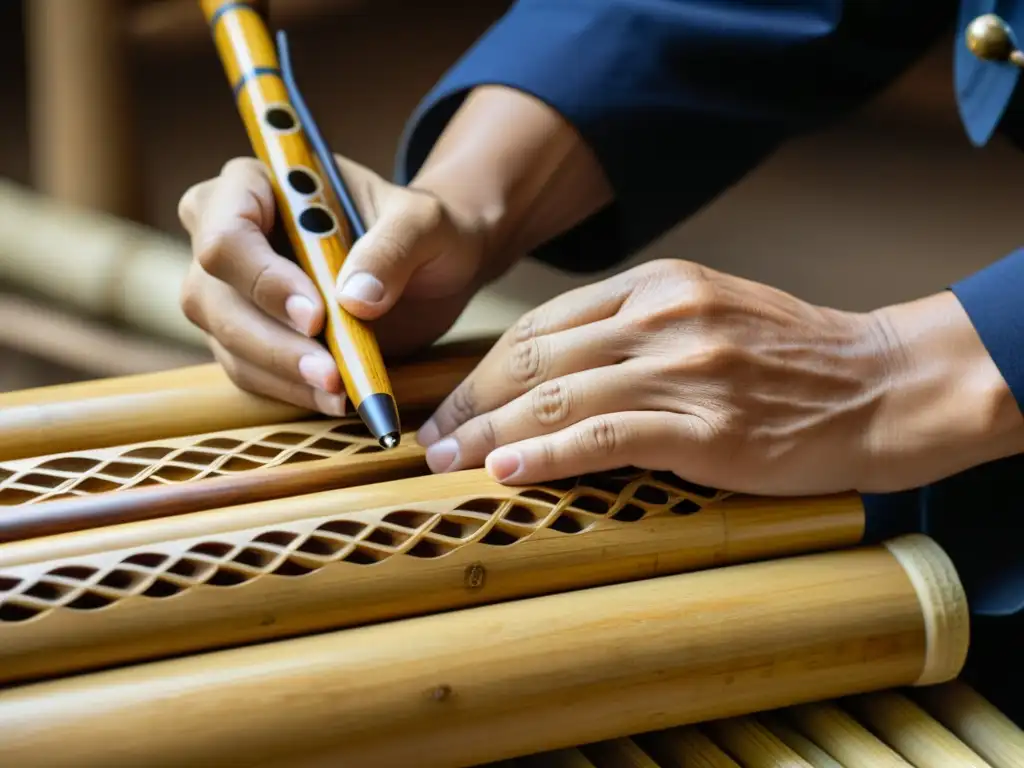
(114, 107)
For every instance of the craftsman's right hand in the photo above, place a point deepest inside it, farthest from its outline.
(411, 275)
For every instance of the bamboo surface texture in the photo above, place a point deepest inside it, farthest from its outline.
(494, 682)
(310, 213)
(189, 401)
(779, 739)
(373, 552)
(87, 489)
(79, 257)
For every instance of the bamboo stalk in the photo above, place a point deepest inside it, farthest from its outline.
(371, 553)
(976, 722)
(149, 502)
(82, 120)
(199, 399)
(912, 732)
(488, 683)
(100, 264)
(84, 345)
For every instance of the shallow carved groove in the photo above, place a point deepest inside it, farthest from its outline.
(415, 530)
(31, 481)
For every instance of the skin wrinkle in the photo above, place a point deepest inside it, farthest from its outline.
(669, 365)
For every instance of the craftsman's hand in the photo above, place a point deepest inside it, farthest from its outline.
(730, 384)
(412, 274)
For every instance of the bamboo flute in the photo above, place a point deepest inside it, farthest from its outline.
(349, 557)
(198, 399)
(80, 513)
(489, 683)
(105, 486)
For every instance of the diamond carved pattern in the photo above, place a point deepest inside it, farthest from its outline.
(427, 530)
(30, 481)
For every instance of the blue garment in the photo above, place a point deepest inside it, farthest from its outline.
(679, 99)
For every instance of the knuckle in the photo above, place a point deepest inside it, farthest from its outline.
(527, 363)
(187, 203)
(524, 329)
(212, 253)
(701, 298)
(716, 358)
(191, 299)
(552, 403)
(599, 438)
(191, 307)
(392, 245)
(231, 334)
(263, 283)
(461, 405)
(428, 211)
(240, 165)
(487, 431)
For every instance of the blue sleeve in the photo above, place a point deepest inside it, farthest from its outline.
(678, 99)
(994, 300)
(975, 515)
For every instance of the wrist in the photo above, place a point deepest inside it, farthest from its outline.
(946, 407)
(511, 169)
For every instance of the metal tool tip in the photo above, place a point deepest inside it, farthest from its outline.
(390, 440)
(990, 38)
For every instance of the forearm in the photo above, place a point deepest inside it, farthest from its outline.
(510, 166)
(948, 407)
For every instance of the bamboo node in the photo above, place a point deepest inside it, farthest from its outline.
(943, 603)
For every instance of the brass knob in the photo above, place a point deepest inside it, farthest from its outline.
(991, 39)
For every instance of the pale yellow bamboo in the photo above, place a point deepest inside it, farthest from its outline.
(195, 400)
(973, 719)
(369, 553)
(753, 744)
(465, 687)
(685, 747)
(912, 732)
(807, 749)
(84, 147)
(843, 737)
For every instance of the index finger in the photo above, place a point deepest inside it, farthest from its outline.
(230, 243)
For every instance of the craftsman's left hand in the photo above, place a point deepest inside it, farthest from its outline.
(673, 366)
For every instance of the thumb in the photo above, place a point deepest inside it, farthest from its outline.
(402, 239)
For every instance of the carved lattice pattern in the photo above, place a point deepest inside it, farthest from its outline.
(425, 530)
(29, 481)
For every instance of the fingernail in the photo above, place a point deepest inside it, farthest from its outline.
(300, 312)
(317, 370)
(441, 456)
(503, 463)
(428, 434)
(362, 287)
